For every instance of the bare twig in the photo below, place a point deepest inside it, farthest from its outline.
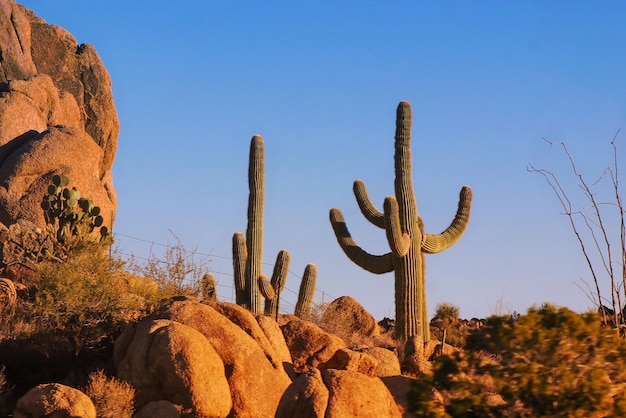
(598, 224)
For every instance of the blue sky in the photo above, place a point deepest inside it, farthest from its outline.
(320, 80)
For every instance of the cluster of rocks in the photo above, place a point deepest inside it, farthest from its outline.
(217, 360)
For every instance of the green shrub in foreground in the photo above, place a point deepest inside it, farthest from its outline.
(550, 362)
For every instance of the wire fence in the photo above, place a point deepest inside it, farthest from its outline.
(144, 251)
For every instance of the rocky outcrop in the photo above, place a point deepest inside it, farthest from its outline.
(253, 373)
(57, 116)
(54, 400)
(167, 360)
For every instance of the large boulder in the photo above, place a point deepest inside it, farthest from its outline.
(346, 359)
(347, 317)
(309, 345)
(254, 372)
(57, 116)
(353, 394)
(170, 361)
(388, 362)
(55, 401)
(307, 397)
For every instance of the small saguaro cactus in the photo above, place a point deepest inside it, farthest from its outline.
(208, 286)
(271, 289)
(250, 282)
(405, 234)
(307, 290)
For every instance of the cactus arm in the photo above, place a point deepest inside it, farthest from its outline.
(368, 209)
(240, 256)
(432, 244)
(305, 295)
(398, 241)
(377, 264)
(279, 279)
(265, 287)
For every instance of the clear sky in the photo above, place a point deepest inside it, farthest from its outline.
(320, 80)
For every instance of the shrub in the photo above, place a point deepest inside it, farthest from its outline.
(555, 361)
(447, 318)
(112, 398)
(550, 362)
(83, 299)
(449, 392)
(178, 272)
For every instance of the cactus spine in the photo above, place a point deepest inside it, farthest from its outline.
(251, 285)
(305, 295)
(405, 234)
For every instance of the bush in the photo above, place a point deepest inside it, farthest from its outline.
(112, 398)
(447, 318)
(550, 362)
(178, 272)
(84, 298)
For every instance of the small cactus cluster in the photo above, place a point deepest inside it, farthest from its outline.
(251, 285)
(71, 218)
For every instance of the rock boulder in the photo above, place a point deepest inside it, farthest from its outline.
(57, 116)
(54, 400)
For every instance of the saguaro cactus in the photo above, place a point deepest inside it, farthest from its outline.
(306, 293)
(251, 285)
(405, 234)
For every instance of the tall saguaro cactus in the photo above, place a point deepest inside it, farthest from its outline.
(251, 285)
(405, 234)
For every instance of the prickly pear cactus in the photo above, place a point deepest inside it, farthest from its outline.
(405, 234)
(71, 219)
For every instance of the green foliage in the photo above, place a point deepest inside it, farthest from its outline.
(550, 362)
(447, 318)
(555, 361)
(84, 299)
(458, 396)
(71, 218)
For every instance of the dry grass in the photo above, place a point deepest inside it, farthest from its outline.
(113, 398)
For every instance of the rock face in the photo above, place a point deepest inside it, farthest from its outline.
(54, 400)
(57, 116)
